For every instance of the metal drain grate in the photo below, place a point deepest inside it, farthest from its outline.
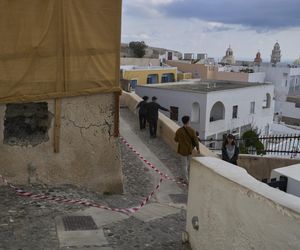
(74, 223)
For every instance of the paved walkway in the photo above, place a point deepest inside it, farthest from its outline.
(39, 225)
(161, 207)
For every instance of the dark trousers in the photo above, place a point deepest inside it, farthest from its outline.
(142, 119)
(152, 127)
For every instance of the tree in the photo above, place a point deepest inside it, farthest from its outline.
(251, 142)
(138, 48)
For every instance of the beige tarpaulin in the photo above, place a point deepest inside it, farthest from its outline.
(56, 48)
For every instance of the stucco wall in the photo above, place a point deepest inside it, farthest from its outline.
(184, 76)
(289, 109)
(139, 61)
(89, 155)
(231, 76)
(257, 77)
(260, 167)
(197, 70)
(236, 212)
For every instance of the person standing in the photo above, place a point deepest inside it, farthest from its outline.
(187, 140)
(142, 106)
(230, 151)
(152, 116)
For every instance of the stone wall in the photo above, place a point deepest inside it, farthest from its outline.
(260, 167)
(89, 155)
(235, 211)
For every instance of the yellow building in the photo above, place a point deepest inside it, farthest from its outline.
(184, 76)
(148, 75)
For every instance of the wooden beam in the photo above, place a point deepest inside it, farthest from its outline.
(57, 124)
(117, 114)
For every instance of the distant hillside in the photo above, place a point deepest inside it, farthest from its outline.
(151, 52)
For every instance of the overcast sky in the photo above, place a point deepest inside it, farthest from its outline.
(210, 26)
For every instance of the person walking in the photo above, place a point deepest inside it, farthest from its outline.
(142, 106)
(152, 115)
(230, 151)
(187, 140)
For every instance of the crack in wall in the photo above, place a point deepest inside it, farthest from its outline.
(104, 125)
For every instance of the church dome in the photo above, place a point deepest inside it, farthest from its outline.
(228, 58)
(258, 59)
(229, 52)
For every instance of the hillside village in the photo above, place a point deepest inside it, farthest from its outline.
(79, 169)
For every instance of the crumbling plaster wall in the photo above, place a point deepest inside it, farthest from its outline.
(89, 154)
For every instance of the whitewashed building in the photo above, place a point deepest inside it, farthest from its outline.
(216, 107)
(286, 80)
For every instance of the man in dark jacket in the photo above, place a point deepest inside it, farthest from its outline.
(142, 106)
(152, 115)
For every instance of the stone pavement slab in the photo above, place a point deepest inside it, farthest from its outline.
(155, 211)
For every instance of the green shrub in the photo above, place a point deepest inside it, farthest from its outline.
(251, 140)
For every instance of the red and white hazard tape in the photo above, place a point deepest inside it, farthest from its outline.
(81, 202)
(92, 204)
(163, 175)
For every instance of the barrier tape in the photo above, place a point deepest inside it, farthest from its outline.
(163, 175)
(81, 202)
(132, 210)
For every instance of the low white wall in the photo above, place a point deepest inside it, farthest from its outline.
(257, 77)
(236, 211)
(289, 110)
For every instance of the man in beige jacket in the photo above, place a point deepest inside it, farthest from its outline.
(187, 141)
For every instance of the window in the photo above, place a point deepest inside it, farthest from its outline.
(152, 79)
(234, 112)
(149, 80)
(286, 82)
(164, 79)
(133, 83)
(267, 101)
(26, 124)
(174, 113)
(217, 112)
(252, 107)
(195, 112)
(167, 78)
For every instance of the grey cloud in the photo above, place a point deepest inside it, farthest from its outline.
(259, 14)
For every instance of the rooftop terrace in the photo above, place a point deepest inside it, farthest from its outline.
(133, 67)
(205, 86)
